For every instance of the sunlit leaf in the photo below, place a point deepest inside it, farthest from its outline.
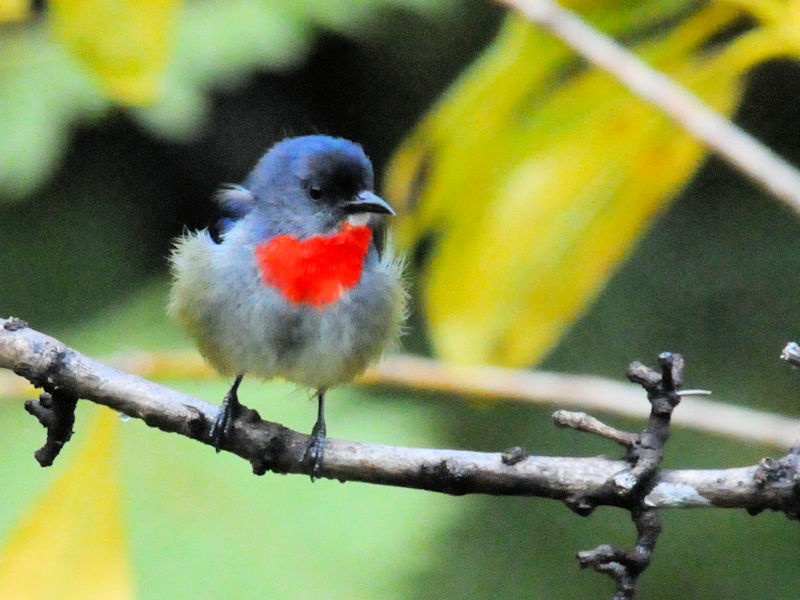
(125, 43)
(14, 10)
(70, 544)
(536, 179)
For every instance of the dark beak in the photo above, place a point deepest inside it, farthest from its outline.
(368, 202)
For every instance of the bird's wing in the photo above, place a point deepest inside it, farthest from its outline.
(234, 201)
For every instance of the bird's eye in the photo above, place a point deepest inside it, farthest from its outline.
(315, 192)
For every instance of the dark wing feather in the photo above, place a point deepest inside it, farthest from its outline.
(234, 201)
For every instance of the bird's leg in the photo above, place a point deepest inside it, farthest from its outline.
(227, 415)
(316, 445)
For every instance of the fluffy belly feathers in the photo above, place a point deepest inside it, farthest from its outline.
(258, 331)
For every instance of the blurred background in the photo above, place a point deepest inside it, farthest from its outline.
(551, 219)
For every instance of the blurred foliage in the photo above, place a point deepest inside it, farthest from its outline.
(557, 171)
(82, 57)
(79, 523)
(125, 44)
(527, 146)
(14, 10)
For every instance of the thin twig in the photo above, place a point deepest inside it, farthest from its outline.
(56, 413)
(580, 421)
(733, 144)
(645, 453)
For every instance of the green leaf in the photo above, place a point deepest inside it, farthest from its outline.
(42, 94)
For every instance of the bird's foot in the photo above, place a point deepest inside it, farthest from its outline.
(221, 428)
(315, 449)
(228, 412)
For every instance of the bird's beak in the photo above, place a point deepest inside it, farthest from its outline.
(368, 202)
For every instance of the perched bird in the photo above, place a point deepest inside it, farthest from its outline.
(297, 280)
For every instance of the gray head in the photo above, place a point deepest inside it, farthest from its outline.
(306, 185)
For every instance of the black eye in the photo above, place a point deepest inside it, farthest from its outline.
(315, 192)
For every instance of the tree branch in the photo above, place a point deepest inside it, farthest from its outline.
(500, 384)
(56, 413)
(645, 452)
(636, 483)
(699, 120)
(578, 481)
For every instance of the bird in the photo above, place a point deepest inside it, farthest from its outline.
(296, 280)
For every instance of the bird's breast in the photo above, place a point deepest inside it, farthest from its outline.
(317, 270)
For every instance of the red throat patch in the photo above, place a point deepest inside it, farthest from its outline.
(318, 270)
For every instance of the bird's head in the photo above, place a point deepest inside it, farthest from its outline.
(320, 180)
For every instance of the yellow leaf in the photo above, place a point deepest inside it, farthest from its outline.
(536, 186)
(125, 43)
(14, 10)
(476, 111)
(70, 544)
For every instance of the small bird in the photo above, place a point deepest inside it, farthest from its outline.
(297, 279)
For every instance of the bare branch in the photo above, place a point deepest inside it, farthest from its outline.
(500, 384)
(624, 567)
(577, 481)
(645, 453)
(56, 413)
(733, 144)
(635, 483)
(580, 421)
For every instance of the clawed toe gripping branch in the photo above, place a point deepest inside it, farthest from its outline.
(635, 483)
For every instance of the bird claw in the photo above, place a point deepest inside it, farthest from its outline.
(315, 450)
(223, 423)
(221, 428)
